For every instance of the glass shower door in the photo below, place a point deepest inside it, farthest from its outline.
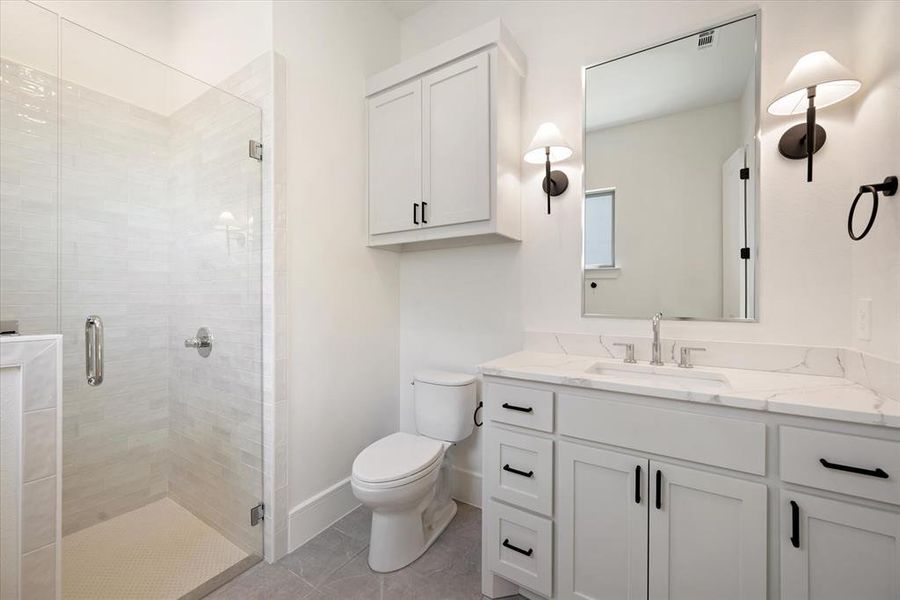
(160, 290)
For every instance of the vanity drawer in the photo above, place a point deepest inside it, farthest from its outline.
(854, 465)
(614, 419)
(519, 469)
(517, 405)
(520, 547)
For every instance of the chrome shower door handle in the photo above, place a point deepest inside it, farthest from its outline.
(93, 350)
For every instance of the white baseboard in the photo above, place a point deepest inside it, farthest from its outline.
(313, 516)
(466, 486)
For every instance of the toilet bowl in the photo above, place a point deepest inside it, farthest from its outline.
(404, 478)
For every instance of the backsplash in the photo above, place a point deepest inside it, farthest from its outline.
(883, 376)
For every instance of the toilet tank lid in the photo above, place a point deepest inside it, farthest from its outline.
(444, 378)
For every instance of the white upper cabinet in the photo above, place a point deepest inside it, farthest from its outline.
(456, 143)
(444, 147)
(395, 158)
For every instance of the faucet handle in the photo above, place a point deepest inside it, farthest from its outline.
(686, 356)
(629, 351)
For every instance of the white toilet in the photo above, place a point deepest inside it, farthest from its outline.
(402, 478)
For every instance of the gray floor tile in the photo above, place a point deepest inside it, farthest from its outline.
(334, 566)
(265, 582)
(356, 581)
(357, 524)
(322, 555)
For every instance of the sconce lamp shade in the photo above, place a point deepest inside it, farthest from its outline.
(832, 80)
(547, 135)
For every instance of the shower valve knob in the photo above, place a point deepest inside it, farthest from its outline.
(203, 342)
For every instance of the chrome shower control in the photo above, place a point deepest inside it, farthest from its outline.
(203, 342)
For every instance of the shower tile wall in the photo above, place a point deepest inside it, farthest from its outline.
(114, 232)
(215, 278)
(28, 190)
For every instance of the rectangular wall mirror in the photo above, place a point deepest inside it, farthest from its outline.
(671, 178)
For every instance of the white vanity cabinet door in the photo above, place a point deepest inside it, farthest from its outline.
(602, 524)
(395, 159)
(845, 550)
(707, 536)
(457, 143)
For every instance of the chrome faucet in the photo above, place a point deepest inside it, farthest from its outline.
(656, 349)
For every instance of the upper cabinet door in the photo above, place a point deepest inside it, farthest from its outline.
(457, 140)
(837, 550)
(707, 536)
(395, 159)
(602, 524)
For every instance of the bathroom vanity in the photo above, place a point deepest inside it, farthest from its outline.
(610, 480)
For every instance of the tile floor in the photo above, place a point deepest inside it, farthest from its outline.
(332, 566)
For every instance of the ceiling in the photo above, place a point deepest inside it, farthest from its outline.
(405, 8)
(672, 78)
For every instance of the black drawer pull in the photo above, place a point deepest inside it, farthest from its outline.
(415, 213)
(424, 220)
(518, 408)
(870, 472)
(518, 472)
(658, 489)
(637, 484)
(795, 525)
(528, 552)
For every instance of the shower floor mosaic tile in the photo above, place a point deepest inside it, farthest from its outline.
(157, 552)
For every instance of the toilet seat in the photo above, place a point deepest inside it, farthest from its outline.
(397, 460)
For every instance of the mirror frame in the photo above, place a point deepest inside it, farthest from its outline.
(754, 171)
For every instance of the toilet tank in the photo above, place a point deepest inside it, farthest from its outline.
(444, 404)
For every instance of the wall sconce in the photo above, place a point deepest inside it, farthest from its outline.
(821, 81)
(548, 145)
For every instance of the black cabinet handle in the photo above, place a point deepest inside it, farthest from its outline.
(859, 471)
(658, 489)
(424, 206)
(518, 408)
(528, 552)
(795, 525)
(518, 472)
(415, 213)
(637, 484)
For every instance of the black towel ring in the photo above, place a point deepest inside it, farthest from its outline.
(888, 188)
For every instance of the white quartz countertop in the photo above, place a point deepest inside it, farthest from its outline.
(787, 393)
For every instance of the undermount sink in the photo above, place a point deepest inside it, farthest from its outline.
(660, 375)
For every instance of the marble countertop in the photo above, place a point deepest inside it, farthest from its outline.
(787, 393)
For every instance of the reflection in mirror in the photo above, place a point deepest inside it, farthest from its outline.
(671, 179)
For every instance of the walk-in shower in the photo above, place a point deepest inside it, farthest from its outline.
(130, 223)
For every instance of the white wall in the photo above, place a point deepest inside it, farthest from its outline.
(144, 25)
(667, 173)
(343, 297)
(876, 140)
(208, 39)
(805, 256)
(213, 38)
